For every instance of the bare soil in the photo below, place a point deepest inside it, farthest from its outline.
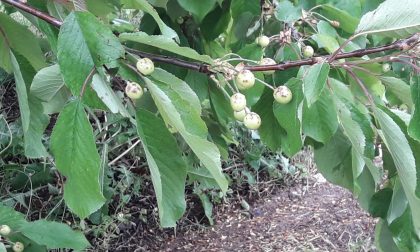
(315, 217)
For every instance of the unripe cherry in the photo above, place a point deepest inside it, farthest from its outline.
(5, 230)
(267, 62)
(252, 121)
(283, 95)
(307, 51)
(386, 67)
(263, 41)
(133, 90)
(335, 23)
(145, 66)
(18, 247)
(180, 20)
(238, 102)
(245, 79)
(222, 38)
(240, 115)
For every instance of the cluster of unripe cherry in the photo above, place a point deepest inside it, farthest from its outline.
(264, 41)
(133, 90)
(245, 80)
(5, 230)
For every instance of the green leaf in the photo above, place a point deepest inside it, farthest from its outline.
(17, 37)
(199, 83)
(49, 30)
(358, 128)
(314, 81)
(379, 204)
(100, 10)
(253, 94)
(398, 88)
(393, 18)
(107, 95)
(414, 127)
(398, 203)
(220, 136)
(22, 92)
(383, 238)
(220, 105)
(238, 7)
(54, 235)
(8, 216)
(365, 184)
(34, 148)
(83, 44)
(402, 119)
(47, 83)
(159, 3)
(404, 232)
(287, 12)
(164, 43)
(34, 121)
(271, 132)
(198, 8)
(180, 107)
(347, 22)
(371, 82)
(207, 205)
(330, 44)
(326, 28)
(400, 150)
(287, 117)
(341, 90)
(143, 5)
(73, 146)
(216, 22)
(334, 161)
(320, 120)
(251, 52)
(167, 167)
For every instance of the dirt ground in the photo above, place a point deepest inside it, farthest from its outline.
(313, 217)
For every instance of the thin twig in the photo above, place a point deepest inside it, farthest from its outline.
(11, 136)
(124, 153)
(362, 86)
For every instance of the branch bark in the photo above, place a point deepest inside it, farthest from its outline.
(22, 6)
(205, 68)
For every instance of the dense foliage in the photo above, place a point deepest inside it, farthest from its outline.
(339, 76)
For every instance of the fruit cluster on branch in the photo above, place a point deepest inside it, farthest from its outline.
(263, 41)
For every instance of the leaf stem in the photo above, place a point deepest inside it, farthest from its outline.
(86, 82)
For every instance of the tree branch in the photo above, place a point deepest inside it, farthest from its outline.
(22, 6)
(205, 68)
(200, 67)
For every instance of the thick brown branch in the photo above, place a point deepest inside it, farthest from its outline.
(35, 12)
(205, 68)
